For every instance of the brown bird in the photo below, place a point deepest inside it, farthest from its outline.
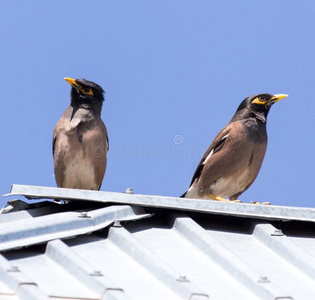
(80, 141)
(233, 160)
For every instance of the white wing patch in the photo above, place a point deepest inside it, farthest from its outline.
(225, 137)
(212, 151)
(210, 154)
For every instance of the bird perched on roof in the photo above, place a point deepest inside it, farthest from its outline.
(80, 141)
(232, 162)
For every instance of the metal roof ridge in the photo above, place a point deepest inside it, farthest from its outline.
(268, 212)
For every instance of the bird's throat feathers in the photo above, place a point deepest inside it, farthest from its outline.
(83, 113)
(249, 113)
(261, 116)
(83, 102)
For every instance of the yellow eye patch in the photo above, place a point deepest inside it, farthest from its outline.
(86, 91)
(259, 101)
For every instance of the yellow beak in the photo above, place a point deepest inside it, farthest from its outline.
(70, 80)
(72, 83)
(278, 97)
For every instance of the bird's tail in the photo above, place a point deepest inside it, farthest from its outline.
(183, 196)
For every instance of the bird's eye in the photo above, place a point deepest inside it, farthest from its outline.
(261, 98)
(87, 91)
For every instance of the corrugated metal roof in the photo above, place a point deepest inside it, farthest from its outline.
(80, 251)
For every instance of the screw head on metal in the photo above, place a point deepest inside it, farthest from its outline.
(96, 273)
(117, 224)
(277, 232)
(129, 191)
(263, 279)
(14, 269)
(84, 214)
(182, 279)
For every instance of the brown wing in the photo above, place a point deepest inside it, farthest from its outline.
(238, 161)
(59, 147)
(215, 147)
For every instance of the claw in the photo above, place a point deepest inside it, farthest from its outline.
(256, 202)
(236, 201)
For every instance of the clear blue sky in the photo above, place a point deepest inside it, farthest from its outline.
(174, 73)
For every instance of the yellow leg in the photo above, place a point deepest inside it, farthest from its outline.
(217, 198)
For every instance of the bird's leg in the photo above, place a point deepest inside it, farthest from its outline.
(217, 198)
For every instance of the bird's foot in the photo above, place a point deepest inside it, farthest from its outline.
(217, 198)
(235, 201)
(262, 203)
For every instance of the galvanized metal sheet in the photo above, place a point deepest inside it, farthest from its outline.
(171, 256)
(30, 231)
(167, 256)
(267, 212)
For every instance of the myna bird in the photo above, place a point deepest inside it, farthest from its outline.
(80, 141)
(232, 162)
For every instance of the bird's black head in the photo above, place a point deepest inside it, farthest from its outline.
(258, 104)
(85, 92)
